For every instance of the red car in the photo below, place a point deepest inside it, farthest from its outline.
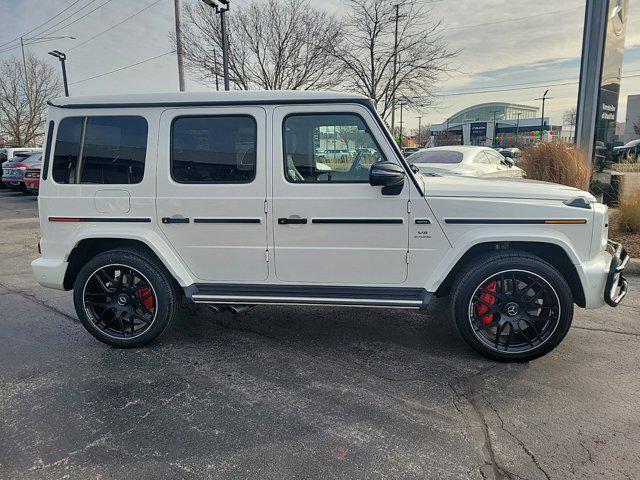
(14, 170)
(32, 180)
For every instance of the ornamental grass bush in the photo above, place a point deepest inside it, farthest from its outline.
(556, 162)
(627, 218)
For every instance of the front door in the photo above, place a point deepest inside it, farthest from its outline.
(212, 189)
(330, 225)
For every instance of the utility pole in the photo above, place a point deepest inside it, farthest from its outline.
(401, 105)
(221, 7)
(419, 129)
(24, 64)
(544, 98)
(395, 69)
(62, 57)
(179, 47)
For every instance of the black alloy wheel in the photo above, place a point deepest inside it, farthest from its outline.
(514, 311)
(120, 301)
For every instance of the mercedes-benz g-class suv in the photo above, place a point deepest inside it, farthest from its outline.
(220, 197)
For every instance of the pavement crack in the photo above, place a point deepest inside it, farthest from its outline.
(37, 301)
(606, 330)
(490, 460)
(526, 450)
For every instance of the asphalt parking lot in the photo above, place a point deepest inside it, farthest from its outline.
(303, 392)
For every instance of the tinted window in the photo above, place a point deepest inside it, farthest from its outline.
(328, 148)
(100, 150)
(47, 151)
(213, 149)
(436, 156)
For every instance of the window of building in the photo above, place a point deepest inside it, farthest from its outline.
(334, 148)
(100, 150)
(214, 149)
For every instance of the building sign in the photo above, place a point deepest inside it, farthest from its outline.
(611, 75)
(600, 74)
(479, 129)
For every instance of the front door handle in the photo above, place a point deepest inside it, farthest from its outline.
(292, 221)
(175, 220)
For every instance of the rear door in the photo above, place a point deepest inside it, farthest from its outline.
(330, 225)
(212, 191)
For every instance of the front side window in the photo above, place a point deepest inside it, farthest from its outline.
(100, 150)
(321, 148)
(213, 149)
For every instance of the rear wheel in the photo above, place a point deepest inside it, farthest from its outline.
(512, 306)
(124, 299)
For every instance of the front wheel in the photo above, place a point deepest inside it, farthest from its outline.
(512, 306)
(124, 299)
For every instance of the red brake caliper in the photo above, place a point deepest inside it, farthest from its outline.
(148, 302)
(481, 308)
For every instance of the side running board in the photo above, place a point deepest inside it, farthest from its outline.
(396, 297)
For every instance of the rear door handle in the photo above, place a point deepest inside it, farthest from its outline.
(292, 221)
(175, 220)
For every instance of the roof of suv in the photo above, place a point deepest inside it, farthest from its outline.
(237, 97)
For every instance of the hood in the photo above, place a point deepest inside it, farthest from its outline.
(458, 186)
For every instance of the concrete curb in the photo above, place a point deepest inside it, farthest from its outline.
(633, 267)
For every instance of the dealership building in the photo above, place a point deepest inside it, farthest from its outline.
(494, 124)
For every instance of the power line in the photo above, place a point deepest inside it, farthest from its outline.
(510, 20)
(114, 26)
(540, 84)
(49, 32)
(123, 68)
(42, 24)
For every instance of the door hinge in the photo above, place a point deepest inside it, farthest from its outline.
(266, 206)
(408, 206)
(266, 255)
(407, 257)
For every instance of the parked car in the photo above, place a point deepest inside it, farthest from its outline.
(145, 199)
(513, 152)
(409, 151)
(32, 177)
(465, 160)
(7, 153)
(13, 171)
(333, 155)
(629, 152)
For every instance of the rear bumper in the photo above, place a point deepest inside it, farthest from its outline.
(616, 287)
(50, 272)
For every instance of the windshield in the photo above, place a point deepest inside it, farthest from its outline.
(436, 156)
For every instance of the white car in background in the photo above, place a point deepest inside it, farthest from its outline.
(466, 161)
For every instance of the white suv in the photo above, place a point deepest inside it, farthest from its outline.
(217, 196)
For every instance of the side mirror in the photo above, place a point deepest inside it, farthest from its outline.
(387, 175)
(509, 162)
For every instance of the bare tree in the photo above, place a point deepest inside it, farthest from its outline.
(23, 101)
(569, 118)
(367, 52)
(275, 45)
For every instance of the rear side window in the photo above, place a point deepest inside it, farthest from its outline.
(213, 149)
(47, 151)
(100, 150)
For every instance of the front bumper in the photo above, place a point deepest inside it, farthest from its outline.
(616, 286)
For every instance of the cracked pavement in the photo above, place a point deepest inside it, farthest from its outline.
(303, 392)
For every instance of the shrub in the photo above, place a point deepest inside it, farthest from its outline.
(626, 167)
(557, 162)
(627, 218)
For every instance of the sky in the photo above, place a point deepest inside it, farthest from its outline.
(503, 43)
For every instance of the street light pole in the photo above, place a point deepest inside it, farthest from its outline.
(395, 66)
(62, 57)
(518, 126)
(419, 129)
(24, 63)
(544, 98)
(221, 7)
(179, 47)
(401, 105)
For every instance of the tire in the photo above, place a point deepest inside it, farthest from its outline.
(151, 294)
(510, 324)
(23, 188)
